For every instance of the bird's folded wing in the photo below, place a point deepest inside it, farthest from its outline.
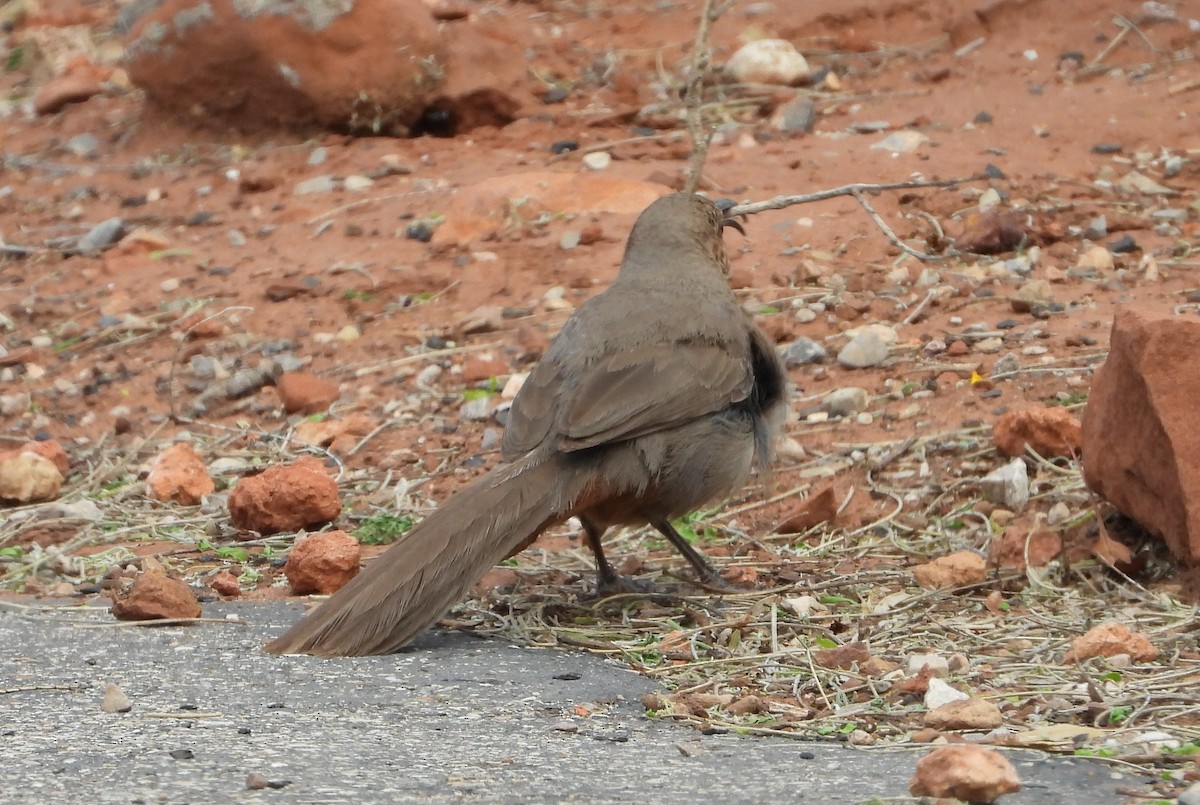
(651, 388)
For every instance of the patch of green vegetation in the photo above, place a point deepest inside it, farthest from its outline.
(232, 552)
(383, 529)
(835, 599)
(1099, 752)
(834, 729)
(825, 642)
(767, 310)
(318, 417)
(1073, 398)
(358, 296)
(477, 394)
(1117, 715)
(691, 528)
(1189, 748)
(12, 552)
(492, 386)
(67, 343)
(16, 57)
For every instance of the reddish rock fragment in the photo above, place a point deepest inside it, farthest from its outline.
(286, 497)
(819, 507)
(179, 475)
(966, 714)
(968, 773)
(993, 232)
(843, 657)
(154, 596)
(226, 584)
(953, 570)
(323, 563)
(1051, 432)
(302, 393)
(1110, 639)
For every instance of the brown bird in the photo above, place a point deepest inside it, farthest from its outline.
(653, 400)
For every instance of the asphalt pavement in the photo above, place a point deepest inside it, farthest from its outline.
(455, 718)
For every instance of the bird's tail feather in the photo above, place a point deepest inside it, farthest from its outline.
(412, 584)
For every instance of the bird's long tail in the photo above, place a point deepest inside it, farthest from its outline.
(412, 584)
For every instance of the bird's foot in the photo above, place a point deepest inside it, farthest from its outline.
(623, 585)
(715, 582)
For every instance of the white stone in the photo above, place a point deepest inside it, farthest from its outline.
(768, 61)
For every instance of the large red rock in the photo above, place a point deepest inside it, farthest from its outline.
(359, 65)
(285, 498)
(487, 80)
(1141, 446)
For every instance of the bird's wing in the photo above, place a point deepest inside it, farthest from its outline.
(648, 388)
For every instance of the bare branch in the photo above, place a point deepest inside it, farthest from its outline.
(693, 90)
(780, 202)
(888, 232)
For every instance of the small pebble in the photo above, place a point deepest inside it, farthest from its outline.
(597, 160)
(803, 351)
(115, 700)
(419, 230)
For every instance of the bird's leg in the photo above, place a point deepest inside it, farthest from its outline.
(708, 576)
(608, 580)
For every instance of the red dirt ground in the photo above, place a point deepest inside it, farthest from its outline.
(895, 61)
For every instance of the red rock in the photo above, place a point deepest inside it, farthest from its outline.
(843, 657)
(968, 773)
(747, 705)
(965, 714)
(1109, 639)
(339, 435)
(480, 367)
(323, 563)
(80, 81)
(179, 475)
(819, 507)
(953, 570)
(26, 477)
(1141, 446)
(993, 232)
(487, 80)
(366, 65)
(226, 584)
(302, 393)
(285, 498)
(956, 349)
(1051, 432)
(153, 596)
(1024, 543)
